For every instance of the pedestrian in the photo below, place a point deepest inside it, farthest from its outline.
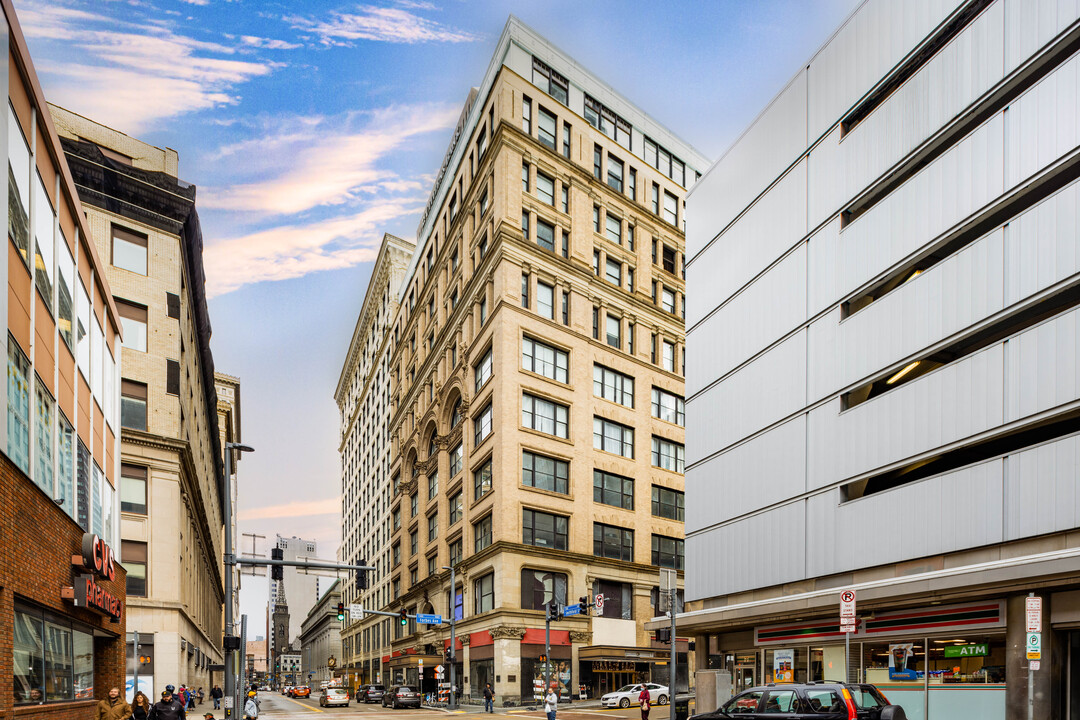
(114, 707)
(644, 698)
(251, 709)
(181, 696)
(201, 695)
(168, 707)
(190, 692)
(551, 702)
(208, 716)
(140, 706)
(489, 698)
(215, 695)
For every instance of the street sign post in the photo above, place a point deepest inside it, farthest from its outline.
(847, 626)
(847, 603)
(572, 610)
(1033, 614)
(1033, 618)
(422, 619)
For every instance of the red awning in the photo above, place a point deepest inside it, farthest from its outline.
(535, 636)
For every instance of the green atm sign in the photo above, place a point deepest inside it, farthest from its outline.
(960, 651)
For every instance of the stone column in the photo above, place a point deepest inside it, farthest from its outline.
(578, 639)
(463, 681)
(507, 662)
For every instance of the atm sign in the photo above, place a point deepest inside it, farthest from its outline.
(962, 651)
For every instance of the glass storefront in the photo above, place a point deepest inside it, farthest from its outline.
(481, 672)
(53, 658)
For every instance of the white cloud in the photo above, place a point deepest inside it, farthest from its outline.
(268, 43)
(329, 506)
(394, 25)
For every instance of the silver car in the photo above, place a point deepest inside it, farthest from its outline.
(333, 696)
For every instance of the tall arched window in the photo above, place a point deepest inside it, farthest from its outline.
(455, 414)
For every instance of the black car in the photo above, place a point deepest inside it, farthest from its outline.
(402, 696)
(820, 701)
(369, 693)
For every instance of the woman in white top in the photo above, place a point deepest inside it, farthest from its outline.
(550, 703)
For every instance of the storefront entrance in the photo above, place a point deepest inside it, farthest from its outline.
(745, 677)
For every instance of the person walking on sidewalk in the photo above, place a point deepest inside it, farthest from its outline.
(251, 708)
(215, 695)
(489, 699)
(551, 702)
(644, 698)
(114, 707)
(168, 707)
(140, 706)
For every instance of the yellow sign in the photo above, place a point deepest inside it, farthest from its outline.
(1037, 655)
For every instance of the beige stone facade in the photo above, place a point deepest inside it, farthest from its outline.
(171, 468)
(542, 317)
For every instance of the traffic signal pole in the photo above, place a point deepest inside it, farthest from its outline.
(671, 686)
(547, 655)
(453, 641)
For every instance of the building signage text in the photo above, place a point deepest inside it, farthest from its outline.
(89, 594)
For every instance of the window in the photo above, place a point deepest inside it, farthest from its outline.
(668, 503)
(545, 416)
(669, 407)
(566, 140)
(455, 459)
(613, 227)
(19, 188)
(566, 307)
(432, 562)
(671, 209)
(598, 162)
(614, 173)
(44, 232)
(483, 370)
(525, 290)
(482, 480)
(545, 473)
(631, 184)
(65, 487)
(596, 323)
(596, 263)
(669, 356)
(526, 115)
(482, 425)
(544, 530)
(433, 485)
(456, 553)
(133, 558)
(53, 659)
(549, 80)
(613, 385)
(546, 129)
(596, 218)
(545, 188)
(483, 310)
(611, 489)
(540, 587)
(618, 598)
(484, 593)
(414, 504)
(456, 507)
(133, 323)
(455, 261)
(133, 489)
(613, 542)
(543, 359)
(414, 542)
(525, 177)
(396, 552)
(607, 121)
(483, 206)
(613, 271)
(655, 199)
(667, 300)
(397, 518)
(630, 279)
(545, 235)
(630, 338)
(525, 224)
(545, 300)
(413, 579)
(432, 527)
(667, 552)
(564, 192)
(667, 454)
(482, 533)
(65, 292)
(456, 414)
(669, 259)
(129, 250)
(614, 331)
(481, 142)
(453, 307)
(132, 405)
(44, 407)
(630, 236)
(613, 437)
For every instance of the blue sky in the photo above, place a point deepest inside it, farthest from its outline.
(312, 127)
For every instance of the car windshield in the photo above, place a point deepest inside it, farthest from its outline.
(626, 688)
(335, 691)
(867, 697)
(376, 687)
(405, 688)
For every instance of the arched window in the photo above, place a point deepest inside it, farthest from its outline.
(455, 414)
(432, 446)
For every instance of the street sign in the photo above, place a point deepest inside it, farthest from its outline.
(228, 702)
(1034, 646)
(429, 619)
(1033, 614)
(1034, 664)
(982, 650)
(356, 612)
(847, 603)
(599, 602)
(847, 628)
(571, 610)
(439, 669)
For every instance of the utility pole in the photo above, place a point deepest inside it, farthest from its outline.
(230, 641)
(671, 686)
(453, 638)
(135, 654)
(243, 657)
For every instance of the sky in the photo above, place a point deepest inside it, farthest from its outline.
(310, 128)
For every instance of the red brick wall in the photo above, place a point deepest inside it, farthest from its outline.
(35, 564)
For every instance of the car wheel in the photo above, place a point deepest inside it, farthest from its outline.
(624, 703)
(662, 700)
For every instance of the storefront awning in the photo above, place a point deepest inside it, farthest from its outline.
(611, 653)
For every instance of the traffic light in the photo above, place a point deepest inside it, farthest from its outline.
(448, 655)
(361, 577)
(403, 617)
(340, 611)
(543, 659)
(663, 635)
(584, 602)
(554, 612)
(277, 572)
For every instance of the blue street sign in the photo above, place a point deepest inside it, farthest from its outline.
(572, 610)
(428, 619)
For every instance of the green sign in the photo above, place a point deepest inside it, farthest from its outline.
(955, 651)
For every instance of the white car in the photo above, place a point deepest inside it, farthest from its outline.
(333, 696)
(627, 695)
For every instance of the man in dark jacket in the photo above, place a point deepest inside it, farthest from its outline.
(215, 695)
(168, 707)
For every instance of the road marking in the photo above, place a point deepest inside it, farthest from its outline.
(297, 702)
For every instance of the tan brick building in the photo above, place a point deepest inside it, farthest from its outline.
(144, 223)
(537, 383)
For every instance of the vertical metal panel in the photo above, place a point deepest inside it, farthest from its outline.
(1042, 494)
(1030, 24)
(950, 512)
(951, 188)
(1044, 123)
(962, 71)
(761, 314)
(952, 295)
(869, 45)
(1043, 367)
(1042, 246)
(768, 229)
(765, 391)
(951, 403)
(760, 472)
(757, 551)
(774, 141)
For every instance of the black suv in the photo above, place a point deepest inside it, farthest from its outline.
(369, 693)
(817, 701)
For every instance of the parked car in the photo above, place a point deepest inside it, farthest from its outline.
(333, 696)
(627, 695)
(401, 696)
(817, 701)
(370, 693)
(301, 691)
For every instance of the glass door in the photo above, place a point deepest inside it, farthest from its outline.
(745, 678)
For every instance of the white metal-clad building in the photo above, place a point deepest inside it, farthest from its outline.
(883, 383)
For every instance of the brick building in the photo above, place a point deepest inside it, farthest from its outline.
(62, 593)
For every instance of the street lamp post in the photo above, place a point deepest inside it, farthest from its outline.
(453, 639)
(230, 565)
